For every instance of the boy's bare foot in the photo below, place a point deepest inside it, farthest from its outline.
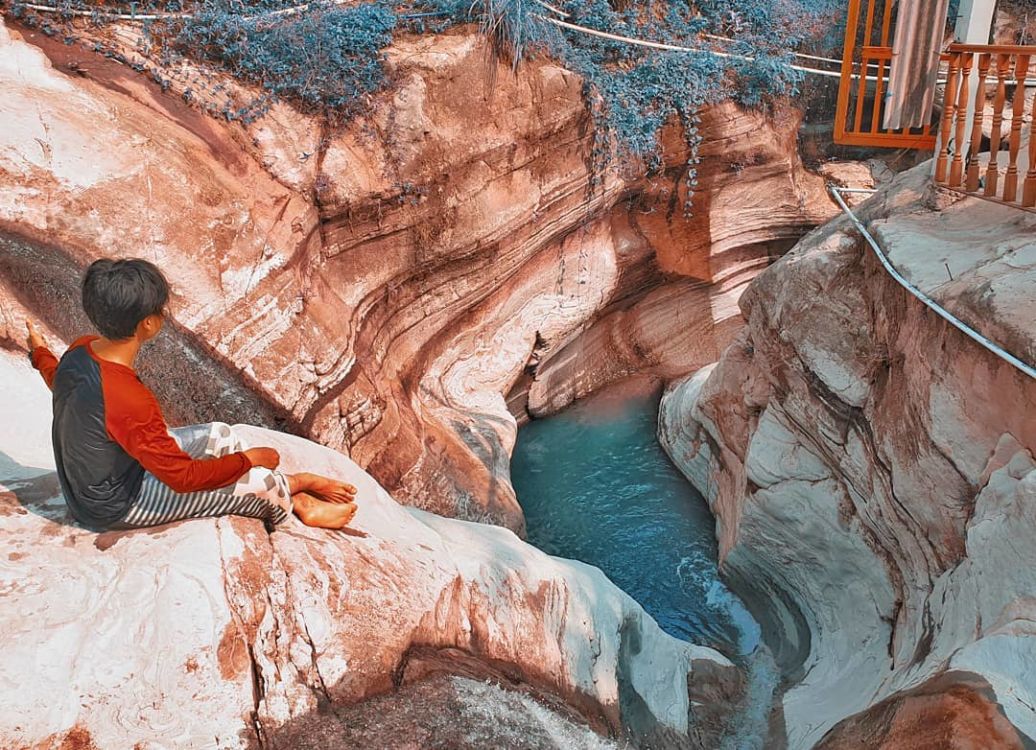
(313, 511)
(323, 487)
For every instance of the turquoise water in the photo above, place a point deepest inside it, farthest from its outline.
(596, 486)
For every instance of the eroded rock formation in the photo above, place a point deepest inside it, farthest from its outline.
(383, 287)
(871, 471)
(213, 633)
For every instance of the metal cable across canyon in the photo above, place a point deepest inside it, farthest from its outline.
(138, 17)
(295, 10)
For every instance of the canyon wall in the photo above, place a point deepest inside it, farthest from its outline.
(871, 472)
(385, 287)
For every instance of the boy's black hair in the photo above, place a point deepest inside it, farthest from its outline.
(118, 294)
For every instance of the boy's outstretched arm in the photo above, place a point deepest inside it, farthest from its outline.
(134, 420)
(42, 358)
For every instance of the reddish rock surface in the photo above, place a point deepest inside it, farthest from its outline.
(941, 715)
(382, 288)
(755, 201)
(212, 633)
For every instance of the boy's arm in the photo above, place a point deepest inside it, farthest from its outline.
(134, 420)
(41, 357)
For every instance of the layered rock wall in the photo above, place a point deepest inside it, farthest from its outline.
(871, 470)
(382, 287)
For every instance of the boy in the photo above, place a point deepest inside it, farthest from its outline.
(119, 465)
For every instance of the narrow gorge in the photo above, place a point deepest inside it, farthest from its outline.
(651, 450)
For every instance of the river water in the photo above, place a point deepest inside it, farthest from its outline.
(596, 486)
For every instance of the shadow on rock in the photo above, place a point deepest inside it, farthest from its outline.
(442, 712)
(27, 489)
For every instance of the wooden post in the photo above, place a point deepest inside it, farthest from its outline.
(861, 90)
(1029, 191)
(974, 27)
(842, 111)
(1021, 69)
(886, 26)
(948, 108)
(957, 165)
(1003, 68)
(971, 185)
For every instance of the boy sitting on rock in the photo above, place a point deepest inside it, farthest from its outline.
(119, 465)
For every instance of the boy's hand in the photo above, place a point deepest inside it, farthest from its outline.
(34, 339)
(265, 457)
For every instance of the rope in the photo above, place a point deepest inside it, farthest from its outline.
(932, 304)
(552, 9)
(678, 48)
(802, 55)
(294, 10)
(718, 38)
(305, 6)
(100, 12)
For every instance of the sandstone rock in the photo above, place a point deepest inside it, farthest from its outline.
(871, 467)
(381, 288)
(213, 633)
(755, 200)
(954, 711)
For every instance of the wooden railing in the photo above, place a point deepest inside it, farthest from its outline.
(983, 152)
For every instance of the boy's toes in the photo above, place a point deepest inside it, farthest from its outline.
(340, 492)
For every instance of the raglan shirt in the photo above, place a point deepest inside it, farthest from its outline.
(108, 430)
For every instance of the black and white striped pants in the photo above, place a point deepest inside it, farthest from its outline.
(260, 493)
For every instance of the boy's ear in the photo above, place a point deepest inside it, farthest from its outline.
(149, 327)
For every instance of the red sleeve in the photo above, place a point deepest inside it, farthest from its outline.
(44, 361)
(134, 420)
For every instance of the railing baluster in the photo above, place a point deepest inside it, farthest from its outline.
(971, 184)
(1029, 191)
(1021, 69)
(886, 26)
(878, 91)
(1003, 67)
(957, 165)
(861, 90)
(948, 107)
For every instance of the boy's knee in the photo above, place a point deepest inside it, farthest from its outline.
(268, 484)
(220, 430)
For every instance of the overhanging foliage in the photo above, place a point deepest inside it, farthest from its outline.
(329, 58)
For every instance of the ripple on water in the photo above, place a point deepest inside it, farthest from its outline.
(596, 486)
